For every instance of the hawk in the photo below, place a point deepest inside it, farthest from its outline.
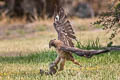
(64, 44)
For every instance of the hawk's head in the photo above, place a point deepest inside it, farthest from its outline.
(55, 43)
(52, 43)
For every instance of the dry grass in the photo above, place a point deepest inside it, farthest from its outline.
(40, 40)
(22, 46)
(35, 36)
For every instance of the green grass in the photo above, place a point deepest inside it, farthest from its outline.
(90, 44)
(101, 67)
(29, 58)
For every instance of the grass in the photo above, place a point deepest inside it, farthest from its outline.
(90, 44)
(40, 40)
(101, 67)
(22, 58)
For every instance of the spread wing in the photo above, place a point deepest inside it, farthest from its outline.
(81, 52)
(64, 28)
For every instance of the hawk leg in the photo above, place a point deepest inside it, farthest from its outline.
(62, 63)
(75, 62)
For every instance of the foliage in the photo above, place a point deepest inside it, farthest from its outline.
(111, 21)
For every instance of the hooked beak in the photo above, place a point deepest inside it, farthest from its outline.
(50, 46)
(51, 43)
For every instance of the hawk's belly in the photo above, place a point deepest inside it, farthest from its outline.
(66, 55)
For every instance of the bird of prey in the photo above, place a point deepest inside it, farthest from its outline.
(64, 45)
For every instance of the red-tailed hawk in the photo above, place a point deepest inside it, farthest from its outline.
(64, 45)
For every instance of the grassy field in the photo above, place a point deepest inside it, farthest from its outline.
(22, 58)
(101, 67)
(24, 46)
(27, 64)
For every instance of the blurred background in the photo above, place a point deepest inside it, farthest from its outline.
(33, 9)
(26, 25)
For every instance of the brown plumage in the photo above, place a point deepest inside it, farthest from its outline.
(64, 45)
(65, 36)
(62, 55)
(64, 28)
